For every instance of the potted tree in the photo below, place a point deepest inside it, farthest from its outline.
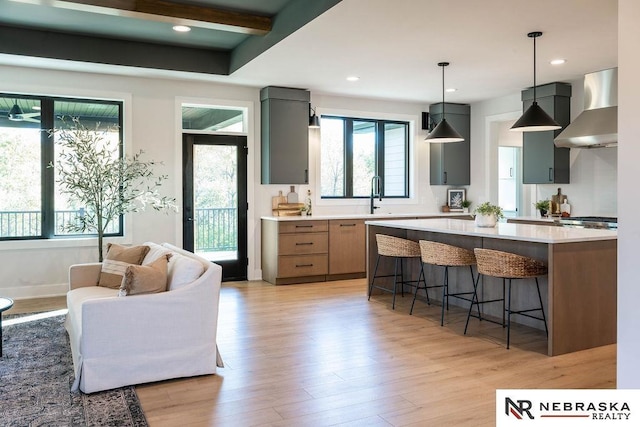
(487, 215)
(91, 172)
(543, 207)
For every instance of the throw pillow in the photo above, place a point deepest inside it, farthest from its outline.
(117, 260)
(145, 279)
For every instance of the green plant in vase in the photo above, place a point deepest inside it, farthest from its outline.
(543, 206)
(487, 214)
(465, 205)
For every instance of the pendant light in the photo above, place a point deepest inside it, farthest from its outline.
(535, 119)
(314, 121)
(444, 132)
(15, 114)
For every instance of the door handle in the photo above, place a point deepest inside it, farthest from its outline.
(510, 172)
(550, 174)
(445, 177)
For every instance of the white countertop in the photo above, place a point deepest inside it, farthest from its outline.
(503, 230)
(363, 216)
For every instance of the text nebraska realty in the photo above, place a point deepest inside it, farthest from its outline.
(597, 410)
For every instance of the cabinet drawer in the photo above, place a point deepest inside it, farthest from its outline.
(302, 265)
(303, 243)
(303, 226)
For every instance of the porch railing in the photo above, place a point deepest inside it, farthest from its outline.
(216, 229)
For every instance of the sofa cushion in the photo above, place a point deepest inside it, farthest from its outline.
(117, 260)
(182, 271)
(155, 252)
(146, 279)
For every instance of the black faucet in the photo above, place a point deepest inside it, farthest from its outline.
(375, 180)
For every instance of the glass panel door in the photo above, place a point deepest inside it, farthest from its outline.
(215, 205)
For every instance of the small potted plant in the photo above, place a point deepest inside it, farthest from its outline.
(487, 215)
(543, 207)
(465, 205)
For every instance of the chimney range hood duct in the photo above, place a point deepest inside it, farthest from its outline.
(597, 125)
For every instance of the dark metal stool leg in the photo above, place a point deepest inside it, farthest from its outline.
(401, 277)
(474, 300)
(503, 302)
(544, 318)
(422, 278)
(509, 316)
(395, 284)
(445, 294)
(374, 277)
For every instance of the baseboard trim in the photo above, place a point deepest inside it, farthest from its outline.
(39, 291)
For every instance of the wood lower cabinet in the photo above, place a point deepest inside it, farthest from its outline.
(295, 251)
(312, 250)
(347, 246)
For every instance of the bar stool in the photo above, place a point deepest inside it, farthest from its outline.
(508, 266)
(445, 256)
(399, 249)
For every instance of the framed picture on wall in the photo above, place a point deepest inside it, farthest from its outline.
(455, 196)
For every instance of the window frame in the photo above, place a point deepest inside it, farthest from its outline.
(47, 174)
(379, 154)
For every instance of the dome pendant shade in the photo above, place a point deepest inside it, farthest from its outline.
(444, 132)
(535, 119)
(314, 121)
(15, 114)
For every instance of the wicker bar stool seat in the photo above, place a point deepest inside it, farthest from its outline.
(508, 266)
(446, 256)
(399, 249)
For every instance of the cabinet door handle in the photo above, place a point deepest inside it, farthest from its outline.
(304, 265)
(550, 174)
(306, 176)
(510, 172)
(304, 226)
(303, 243)
(445, 177)
(347, 225)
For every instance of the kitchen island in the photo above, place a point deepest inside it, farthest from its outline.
(579, 291)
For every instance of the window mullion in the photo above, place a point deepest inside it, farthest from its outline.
(348, 154)
(379, 156)
(48, 176)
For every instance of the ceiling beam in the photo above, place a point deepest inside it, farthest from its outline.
(175, 13)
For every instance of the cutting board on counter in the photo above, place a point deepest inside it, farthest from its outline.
(288, 209)
(277, 200)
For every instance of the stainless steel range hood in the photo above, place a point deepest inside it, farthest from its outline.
(597, 125)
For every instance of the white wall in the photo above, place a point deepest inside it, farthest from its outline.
(628, 177)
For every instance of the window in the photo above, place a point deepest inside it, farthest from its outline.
(31, 206)
(354, 150)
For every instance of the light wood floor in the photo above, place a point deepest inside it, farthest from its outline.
(321, 354)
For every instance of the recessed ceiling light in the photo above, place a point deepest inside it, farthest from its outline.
(353, 78)
(181, 28)
(451, 89)
(558, 61)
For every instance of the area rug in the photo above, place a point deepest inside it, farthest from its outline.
(36, 373)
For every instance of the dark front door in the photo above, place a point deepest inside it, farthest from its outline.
(215, 200)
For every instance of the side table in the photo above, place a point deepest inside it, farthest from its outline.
(5, 304)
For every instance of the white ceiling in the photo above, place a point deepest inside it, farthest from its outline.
(394, 47)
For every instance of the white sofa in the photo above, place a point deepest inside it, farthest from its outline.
(118, 341)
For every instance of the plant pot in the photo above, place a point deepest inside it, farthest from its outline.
(486, 220)
(465, 210)
(543, 213)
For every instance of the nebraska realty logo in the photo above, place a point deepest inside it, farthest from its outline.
(567, 407)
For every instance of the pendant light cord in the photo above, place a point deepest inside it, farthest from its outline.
(443, 116)
(534, 68)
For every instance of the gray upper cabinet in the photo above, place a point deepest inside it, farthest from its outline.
(449, 163)
(542, 161)
(285, 135)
